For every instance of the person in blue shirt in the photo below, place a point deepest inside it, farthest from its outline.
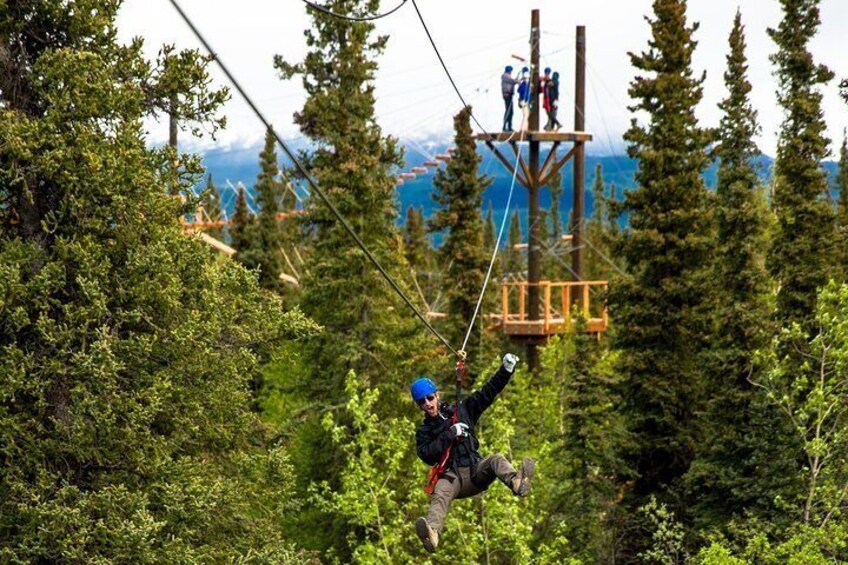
(524, 98)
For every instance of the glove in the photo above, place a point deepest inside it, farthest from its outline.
(458, 430)
(509, 362)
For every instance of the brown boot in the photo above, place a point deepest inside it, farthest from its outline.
(429, 536)
(521, 483)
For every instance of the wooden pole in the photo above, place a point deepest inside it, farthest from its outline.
(579, 155)
(533, 248)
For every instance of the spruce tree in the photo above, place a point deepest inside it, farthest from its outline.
(459, 194)
(598, 232)
(263, 250)
(367, 329)
(416, 247)
(802, 255)
(125, 349)
(241, 226)
(513, 258)
(211, 202)
(658, 304)
(490, 231)
(723, 475)
(841, 182)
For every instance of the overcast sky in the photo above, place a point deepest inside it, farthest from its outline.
(477, 38)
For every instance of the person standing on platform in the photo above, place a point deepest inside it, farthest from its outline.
(524, 98)
(544, 80)
(552, 103)
(508, 83)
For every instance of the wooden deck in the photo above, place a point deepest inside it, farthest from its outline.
(556, 308)
(556, 136)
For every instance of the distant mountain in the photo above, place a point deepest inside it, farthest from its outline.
(242, 165)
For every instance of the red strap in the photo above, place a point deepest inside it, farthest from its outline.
(439, 469)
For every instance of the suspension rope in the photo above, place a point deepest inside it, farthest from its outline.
(498, 242)
(511, 187)
(312, 182)
(353, 18)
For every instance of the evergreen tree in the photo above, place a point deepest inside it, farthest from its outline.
(513, 258)
(801, 256)
(575, 415)
(367, 329)
(490, 231)
(723, 473)
(598, 232)
(211, 202)
(459, 193)
(555, 186)
(263, 250)
(416, 246)
(659, 303)
(842, 203)
(125, 350)
(241, 226)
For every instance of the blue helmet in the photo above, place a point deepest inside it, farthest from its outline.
(421, 388)
(547, 70)
(508, 69)
(525, 69)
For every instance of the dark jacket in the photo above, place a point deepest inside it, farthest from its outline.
(434, 434)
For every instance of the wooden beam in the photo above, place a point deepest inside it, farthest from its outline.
(522, 180)
(555, 169)
(551, 156)
(520, 160)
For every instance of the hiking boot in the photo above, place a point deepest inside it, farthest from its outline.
(429, 536)
(525, 476)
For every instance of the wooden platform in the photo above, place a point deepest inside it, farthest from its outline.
(556, 136)
(556, 307)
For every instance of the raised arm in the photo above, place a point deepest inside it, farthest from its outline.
(479, 401)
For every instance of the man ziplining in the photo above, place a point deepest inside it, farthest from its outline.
(446, 441)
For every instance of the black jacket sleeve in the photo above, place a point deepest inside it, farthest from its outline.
(478, 401)
(432, 441)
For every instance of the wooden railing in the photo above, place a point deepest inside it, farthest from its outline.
(555, 306)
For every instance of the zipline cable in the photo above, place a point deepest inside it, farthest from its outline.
(313, 183)
(353, 18)
(498, 242)
(442, 61)
(512, 185)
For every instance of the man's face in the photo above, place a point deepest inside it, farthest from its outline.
(430, 404)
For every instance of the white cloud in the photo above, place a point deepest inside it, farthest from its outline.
(476, 39)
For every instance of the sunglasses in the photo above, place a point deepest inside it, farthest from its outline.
(428, 398)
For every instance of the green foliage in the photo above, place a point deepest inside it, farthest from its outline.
(579, 435)
(459, 193)
(814, 399)
(243, 224)
(724, 477)
(262, 251)
(667, 534)
(802, 256)
(842, 203)
(210, 199)
(662, 304)
(126, 349)
(352, 163)
(367, 328)
(376, 483)
(514, 263)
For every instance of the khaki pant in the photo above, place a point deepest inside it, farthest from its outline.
(452, 486)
